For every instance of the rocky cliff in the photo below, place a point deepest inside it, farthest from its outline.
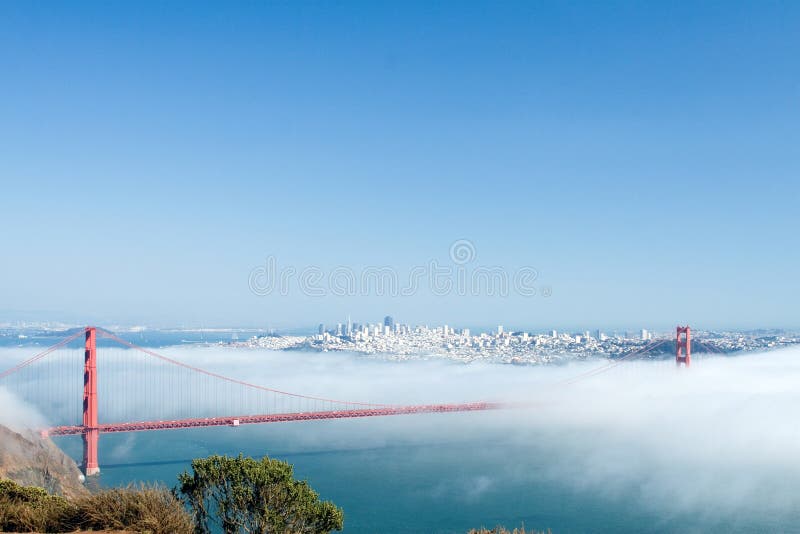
(31, 460)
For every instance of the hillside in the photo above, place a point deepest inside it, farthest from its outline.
(30, 460)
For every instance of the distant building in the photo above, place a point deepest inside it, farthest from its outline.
(500, 330)
(645, 335)
(338, 329)
(321, 329)
(554, 333)
(388, 321)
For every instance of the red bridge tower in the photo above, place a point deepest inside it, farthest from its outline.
(91, 432)
(683, 346)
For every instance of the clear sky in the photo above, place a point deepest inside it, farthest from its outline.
(643, 157)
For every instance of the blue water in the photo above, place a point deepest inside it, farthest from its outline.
(146, 338)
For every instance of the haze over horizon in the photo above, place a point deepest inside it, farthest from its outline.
(641, 158)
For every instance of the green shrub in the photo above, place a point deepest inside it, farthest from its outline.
(244, 495)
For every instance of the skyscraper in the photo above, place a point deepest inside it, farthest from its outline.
(388, 321)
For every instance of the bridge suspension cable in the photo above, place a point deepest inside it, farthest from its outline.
(112, 336)
(146, 395)
(41, 355)
(148, 398)
(612, 364)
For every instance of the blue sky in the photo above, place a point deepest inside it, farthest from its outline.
(642, 157)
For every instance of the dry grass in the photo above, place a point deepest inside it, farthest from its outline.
(152, 509)
(31, 509)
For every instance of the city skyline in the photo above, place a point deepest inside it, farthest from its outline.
(397, 341)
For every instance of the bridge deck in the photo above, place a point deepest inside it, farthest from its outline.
(276, 418)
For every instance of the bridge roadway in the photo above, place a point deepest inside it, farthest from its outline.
(275, 418)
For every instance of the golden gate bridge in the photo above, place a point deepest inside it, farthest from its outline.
(154, 392)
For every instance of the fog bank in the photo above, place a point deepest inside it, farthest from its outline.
(716, 439)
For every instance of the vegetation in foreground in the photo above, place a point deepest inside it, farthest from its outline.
(141, 508)
(234, 495)
(247, 495)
